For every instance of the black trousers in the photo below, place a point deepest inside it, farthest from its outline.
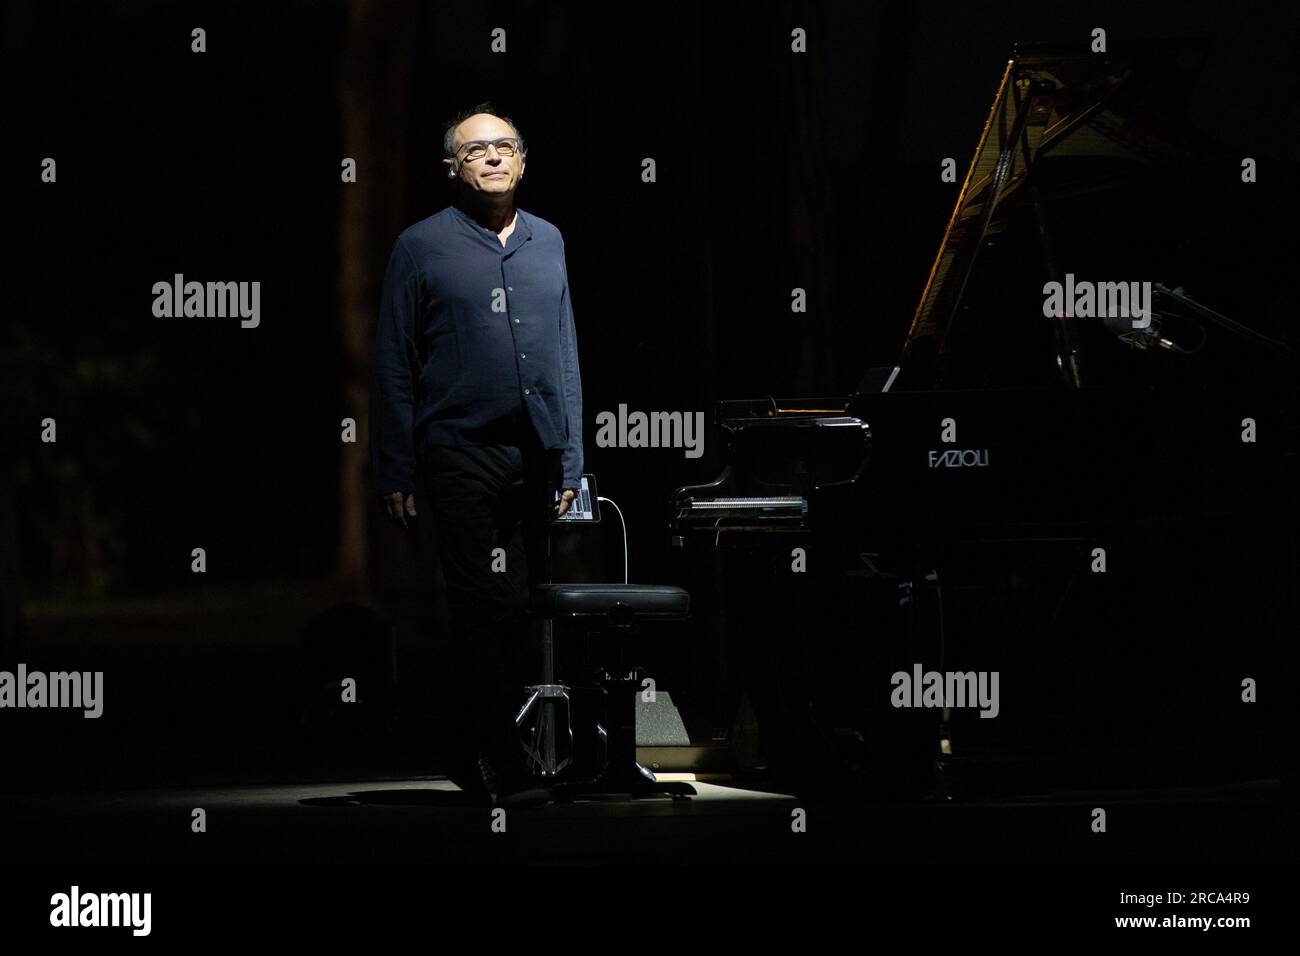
(491, 505)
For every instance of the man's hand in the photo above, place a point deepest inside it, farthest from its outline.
(567, 495)
(399, 504)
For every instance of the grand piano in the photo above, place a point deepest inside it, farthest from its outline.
(1098, 507)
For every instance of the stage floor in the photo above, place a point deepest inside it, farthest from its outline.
(426, 822)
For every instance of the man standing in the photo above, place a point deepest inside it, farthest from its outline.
(476, 394)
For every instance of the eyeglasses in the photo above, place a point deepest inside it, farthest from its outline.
(477, 148)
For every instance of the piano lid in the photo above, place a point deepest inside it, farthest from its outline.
(1062, 125)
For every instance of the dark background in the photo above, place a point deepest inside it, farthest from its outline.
(774, 171)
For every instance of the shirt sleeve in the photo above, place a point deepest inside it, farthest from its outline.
(392, 382)
(571, 459)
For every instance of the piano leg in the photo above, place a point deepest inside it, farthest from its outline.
(815, 659)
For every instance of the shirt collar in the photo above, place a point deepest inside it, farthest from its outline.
(523, 229)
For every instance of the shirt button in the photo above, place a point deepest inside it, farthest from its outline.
(527, 391)
(510, 288)
(522, 355)
(516, 321)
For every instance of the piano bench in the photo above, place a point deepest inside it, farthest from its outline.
(614, 610)
(615, 605)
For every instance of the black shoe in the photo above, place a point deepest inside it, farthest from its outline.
(468, 776)
(512, 788)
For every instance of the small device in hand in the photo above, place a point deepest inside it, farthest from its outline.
(584, 506)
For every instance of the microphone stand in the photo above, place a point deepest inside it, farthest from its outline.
(1245, 332)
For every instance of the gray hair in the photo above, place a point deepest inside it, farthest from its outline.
(449, 136)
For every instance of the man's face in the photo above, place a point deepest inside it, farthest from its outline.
(492, 173)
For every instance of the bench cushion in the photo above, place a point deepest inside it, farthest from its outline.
(659, 601)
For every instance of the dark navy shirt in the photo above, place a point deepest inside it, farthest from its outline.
(474, 339)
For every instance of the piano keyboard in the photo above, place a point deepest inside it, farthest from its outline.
(792, 503)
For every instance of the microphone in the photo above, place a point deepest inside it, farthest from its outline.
(1141, 339)
(1159, 330)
